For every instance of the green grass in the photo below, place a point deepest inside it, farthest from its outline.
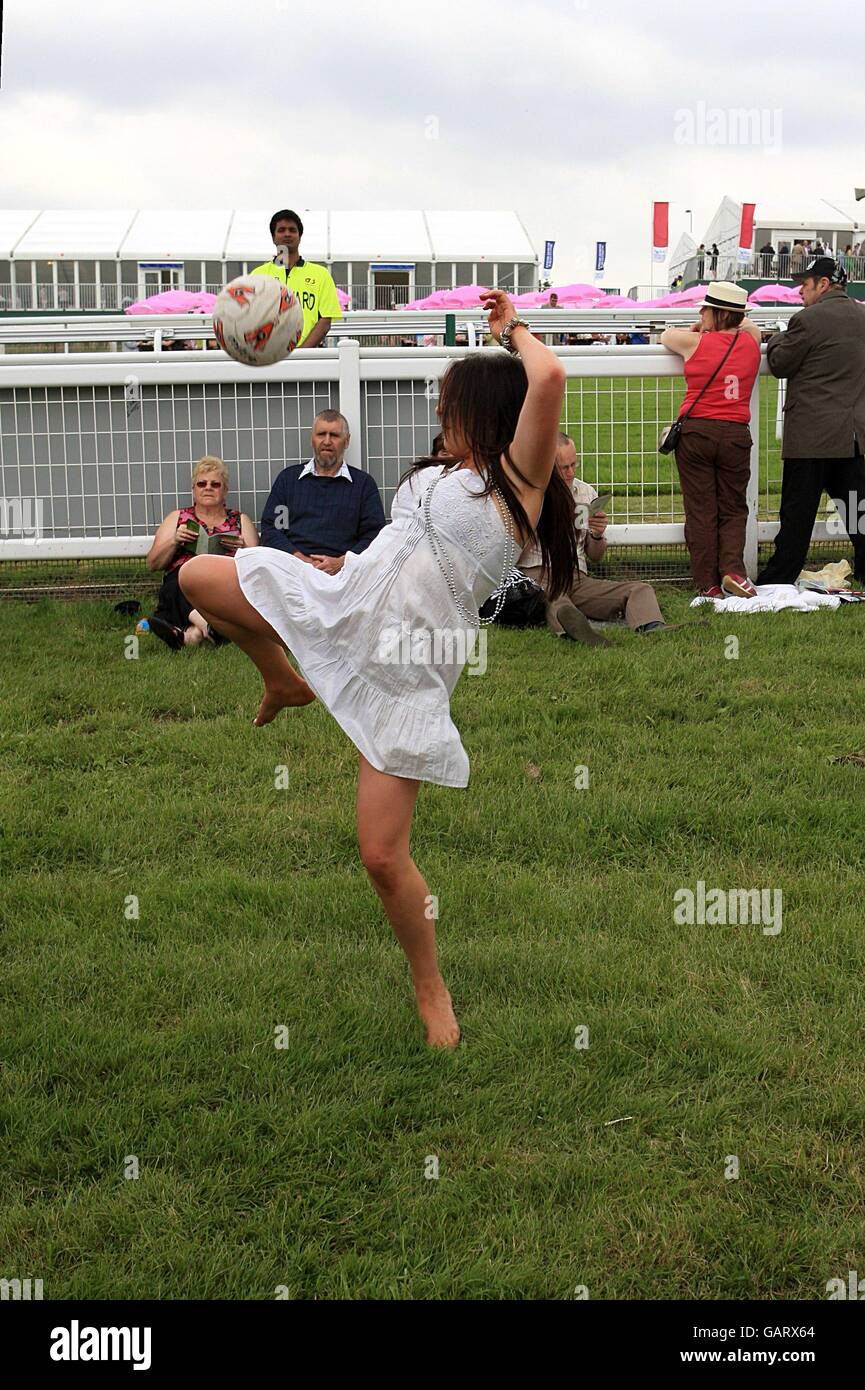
(615, 423)
(304, 1167)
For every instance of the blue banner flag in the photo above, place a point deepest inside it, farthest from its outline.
(549, 247)
(600, 254)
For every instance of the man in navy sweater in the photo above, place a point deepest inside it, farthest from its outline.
(320, 510)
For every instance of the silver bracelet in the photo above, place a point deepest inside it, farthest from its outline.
(505, 335)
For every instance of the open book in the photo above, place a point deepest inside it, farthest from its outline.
(208, 545)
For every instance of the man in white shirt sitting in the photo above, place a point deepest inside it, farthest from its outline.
(601, 599)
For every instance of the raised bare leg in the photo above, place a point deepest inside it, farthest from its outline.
(385, 806)
(212, 587)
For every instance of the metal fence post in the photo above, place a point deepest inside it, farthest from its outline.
(348, 363)
(450, 330)
(753, 493)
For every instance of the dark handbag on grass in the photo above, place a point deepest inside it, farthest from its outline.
(671, 434)
(524, 605)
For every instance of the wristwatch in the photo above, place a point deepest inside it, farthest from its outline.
(505, 335)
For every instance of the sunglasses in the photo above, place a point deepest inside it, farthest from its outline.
(208, 484)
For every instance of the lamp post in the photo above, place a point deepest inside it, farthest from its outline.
(690, 217)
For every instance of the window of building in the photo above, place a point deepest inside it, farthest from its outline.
(528, 278)
(214, 272)
(5, 277)
(464, 273)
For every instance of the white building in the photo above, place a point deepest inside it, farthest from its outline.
(71, 259)
(836, 224)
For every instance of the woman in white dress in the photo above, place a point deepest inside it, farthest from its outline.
(382, 643)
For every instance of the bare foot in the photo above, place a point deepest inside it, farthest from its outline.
(298, 693)
(435, 1008)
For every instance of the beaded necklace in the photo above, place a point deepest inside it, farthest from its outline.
(448, 573)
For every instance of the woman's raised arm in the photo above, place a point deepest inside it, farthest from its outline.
(534, 444)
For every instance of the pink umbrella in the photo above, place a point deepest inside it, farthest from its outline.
(531, 300)
(775, 294)
(616, 301)
(430, 301)
(678, 299)
(174, 302)
(344, 300)
(463, 297)
(576, 291)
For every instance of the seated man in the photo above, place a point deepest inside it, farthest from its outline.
(591, 598)
(320, 510)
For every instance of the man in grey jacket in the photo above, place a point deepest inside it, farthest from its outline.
(822, 354)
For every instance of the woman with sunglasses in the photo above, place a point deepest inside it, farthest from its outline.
(175, 620)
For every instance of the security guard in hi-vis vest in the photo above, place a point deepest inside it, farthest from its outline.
(312, 283)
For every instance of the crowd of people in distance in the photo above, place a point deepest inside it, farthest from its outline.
(791, 260)
(323, 509)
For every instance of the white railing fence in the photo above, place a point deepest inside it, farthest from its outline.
(95, 449)
(758, 266)
(405, 328)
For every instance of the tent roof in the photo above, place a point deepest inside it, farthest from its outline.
(817, 213)
(242, 235)
(495, 236)
(171, 235)
(13, 225)
(69, 234)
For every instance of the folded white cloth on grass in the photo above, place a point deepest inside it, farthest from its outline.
(771, 598)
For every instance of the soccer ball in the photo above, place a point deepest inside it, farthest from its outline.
(257, 320)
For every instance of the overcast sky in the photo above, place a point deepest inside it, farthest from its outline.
(566, 110)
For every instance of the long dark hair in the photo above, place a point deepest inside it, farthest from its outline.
(481, 396)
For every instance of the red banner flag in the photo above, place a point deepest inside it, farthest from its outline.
(746, 231)
(660, 230)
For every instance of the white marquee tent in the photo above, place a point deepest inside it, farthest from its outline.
(130, 234)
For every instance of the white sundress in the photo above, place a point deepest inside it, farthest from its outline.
(351, 632)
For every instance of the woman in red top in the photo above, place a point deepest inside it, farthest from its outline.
(714, 452)
(175, 621)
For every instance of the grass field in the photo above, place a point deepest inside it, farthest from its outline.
(303, 1167)
(615, 423)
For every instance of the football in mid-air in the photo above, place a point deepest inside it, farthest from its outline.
(257, 320)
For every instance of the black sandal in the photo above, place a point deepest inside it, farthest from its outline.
(170, 635)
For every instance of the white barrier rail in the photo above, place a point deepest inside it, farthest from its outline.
(121, 328)
(102, 445)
